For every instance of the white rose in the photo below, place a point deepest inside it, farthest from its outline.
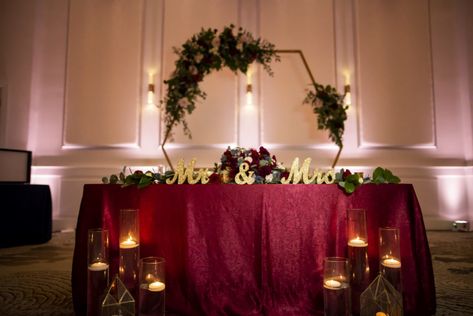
(249, 159)
(183, 102)
(246, 38)
(198, 58)
(216, 42)
(193, 70)
(268, 178)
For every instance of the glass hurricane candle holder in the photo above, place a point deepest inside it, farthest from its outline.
(357, 235)
(97, 269)
(152, 286)
(129, 249)
(390, 256)
(336, 287)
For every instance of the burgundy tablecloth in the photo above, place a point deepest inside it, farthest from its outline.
(254, 250)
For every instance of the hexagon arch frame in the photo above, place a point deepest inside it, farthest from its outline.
(327, 96)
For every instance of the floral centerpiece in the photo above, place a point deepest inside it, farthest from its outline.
(265, 167)
(261, 166)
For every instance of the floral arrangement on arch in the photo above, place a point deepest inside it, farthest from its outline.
(206, 51)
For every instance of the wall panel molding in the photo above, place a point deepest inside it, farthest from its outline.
(308, 26)
(395, 74)
(103, 74)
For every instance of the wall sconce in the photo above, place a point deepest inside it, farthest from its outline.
(347, 95)
(249, 94)
(151, 94)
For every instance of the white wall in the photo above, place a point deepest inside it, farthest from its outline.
(76, 73)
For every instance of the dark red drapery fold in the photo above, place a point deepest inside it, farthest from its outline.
(254, 250)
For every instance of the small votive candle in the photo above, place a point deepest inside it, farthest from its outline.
(391, 263)
(357, 242)
(157, 286)
(98, 266)
(332, 284)
(128, 243)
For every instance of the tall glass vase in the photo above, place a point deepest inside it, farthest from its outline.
(336, 287)
(152, 286)
(97, 269)
(357, 235)
(129, 249)
(390, 256)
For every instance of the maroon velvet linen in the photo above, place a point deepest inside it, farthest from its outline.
(254, 250)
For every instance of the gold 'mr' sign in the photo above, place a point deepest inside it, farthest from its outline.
(182, 174)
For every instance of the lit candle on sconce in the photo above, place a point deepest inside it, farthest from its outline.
(347, 95)
(347, 89)
(151, 90)
(249, 87)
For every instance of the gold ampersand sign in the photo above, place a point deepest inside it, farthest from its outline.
(242, 177)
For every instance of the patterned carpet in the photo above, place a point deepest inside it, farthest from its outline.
(35, 280)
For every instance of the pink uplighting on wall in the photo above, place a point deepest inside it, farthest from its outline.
(453, 200)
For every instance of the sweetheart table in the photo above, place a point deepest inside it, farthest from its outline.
(254, 250)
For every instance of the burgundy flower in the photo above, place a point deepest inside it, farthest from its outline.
(214, 178)
(346, 173)
(263, 151)
(265, 170)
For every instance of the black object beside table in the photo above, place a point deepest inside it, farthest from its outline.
(25, 214)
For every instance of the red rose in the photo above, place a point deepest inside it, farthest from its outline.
(214, 178)
(263, 151)
(264, 171)
(346, 173)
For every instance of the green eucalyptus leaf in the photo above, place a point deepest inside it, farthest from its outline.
(144, 181)
(349, 187)
(378, 174)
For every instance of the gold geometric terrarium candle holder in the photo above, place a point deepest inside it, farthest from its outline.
(118, 300)
(381, 298)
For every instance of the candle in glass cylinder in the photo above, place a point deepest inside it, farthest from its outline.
(357, 236)
(152, 286)
(336, 287)
(97, 269)
(129, 249)
(390, 254)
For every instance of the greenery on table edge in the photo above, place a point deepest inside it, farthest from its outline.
(266, 170)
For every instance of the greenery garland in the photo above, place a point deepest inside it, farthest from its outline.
(328, 104)
(198, 56)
